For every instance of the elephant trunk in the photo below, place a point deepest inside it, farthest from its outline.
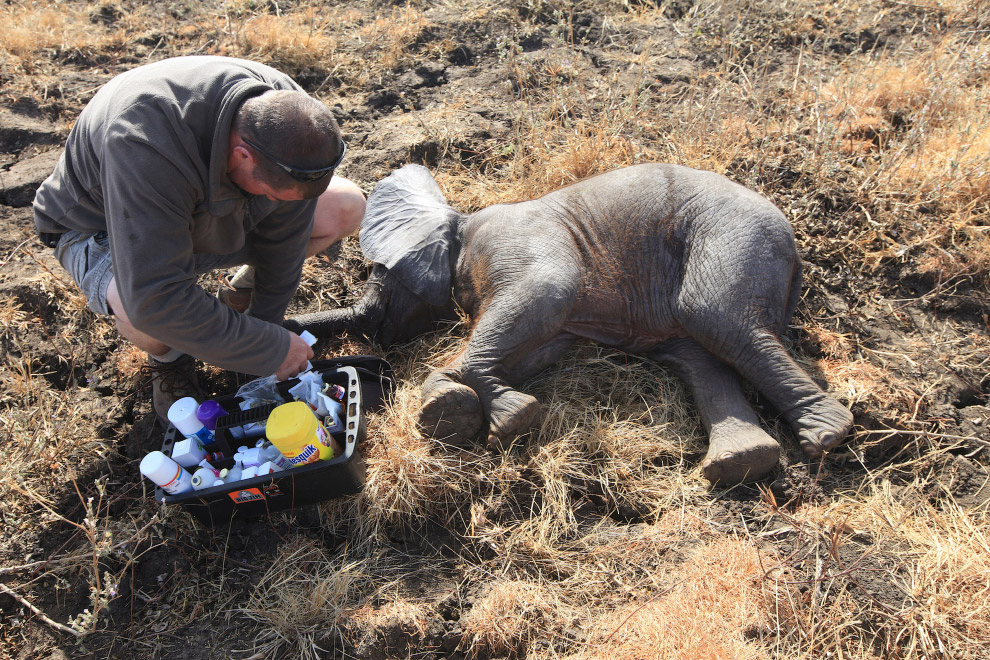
(364, 317)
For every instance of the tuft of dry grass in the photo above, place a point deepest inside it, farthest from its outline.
(301, 598)
(509, 618)
(714, 606)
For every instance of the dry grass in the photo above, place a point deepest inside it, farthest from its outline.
(926, 593)
(713, 606)
(596, 537)
(300, 600)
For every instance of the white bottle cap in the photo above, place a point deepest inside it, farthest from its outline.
(166, 473)
(204, 478)
(183, 415)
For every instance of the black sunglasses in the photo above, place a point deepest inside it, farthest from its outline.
(306, 176)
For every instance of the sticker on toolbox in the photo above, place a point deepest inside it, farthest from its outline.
(246, 495)
(272, 490)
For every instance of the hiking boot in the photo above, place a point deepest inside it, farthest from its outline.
(237, 299)
(171, 381)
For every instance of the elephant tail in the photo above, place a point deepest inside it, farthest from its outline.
(793, 297)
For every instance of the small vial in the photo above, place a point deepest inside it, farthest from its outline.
(335, 392)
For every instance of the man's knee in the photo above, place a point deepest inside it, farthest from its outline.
(339, 210)
(123, 324)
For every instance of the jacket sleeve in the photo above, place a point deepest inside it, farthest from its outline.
(149, 200)
(278, 245)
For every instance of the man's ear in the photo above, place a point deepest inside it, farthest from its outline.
(238, 154)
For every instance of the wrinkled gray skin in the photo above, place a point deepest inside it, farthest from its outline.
(679, 265)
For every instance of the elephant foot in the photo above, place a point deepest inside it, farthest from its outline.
(821, 425)
(739, 452)
(513, 414)
(451, 412)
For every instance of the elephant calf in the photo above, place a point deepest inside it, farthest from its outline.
(683, 266)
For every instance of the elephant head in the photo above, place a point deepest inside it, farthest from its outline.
(411, 235)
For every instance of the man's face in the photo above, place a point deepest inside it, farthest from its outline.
(242, 170)
(246, 180)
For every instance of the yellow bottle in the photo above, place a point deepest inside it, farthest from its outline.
(298, 434)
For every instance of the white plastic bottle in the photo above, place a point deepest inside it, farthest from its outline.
(199, 482)
(232, 473)
(249, 457)
(270, 453)
(206, 477)
(182, 414)
(165, 472)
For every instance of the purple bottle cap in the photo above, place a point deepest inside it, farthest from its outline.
(208, 412)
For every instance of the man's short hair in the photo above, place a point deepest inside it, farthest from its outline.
(296, 129)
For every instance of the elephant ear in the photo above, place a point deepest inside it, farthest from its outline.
(408, 228)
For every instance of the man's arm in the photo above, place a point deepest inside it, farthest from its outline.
(149, 200)
(278, 245)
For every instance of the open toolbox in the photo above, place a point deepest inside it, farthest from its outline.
(368, 383)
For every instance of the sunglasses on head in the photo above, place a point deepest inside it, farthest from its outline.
(306, 176)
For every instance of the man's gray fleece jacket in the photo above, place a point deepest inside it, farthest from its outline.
(147, 163)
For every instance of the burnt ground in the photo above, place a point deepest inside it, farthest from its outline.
(922, 333)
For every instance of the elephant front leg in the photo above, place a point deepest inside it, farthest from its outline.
(517, 336)
(451, 411)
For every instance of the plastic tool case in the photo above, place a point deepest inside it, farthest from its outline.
(368, 382)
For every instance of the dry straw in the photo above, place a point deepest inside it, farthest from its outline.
(595, 537)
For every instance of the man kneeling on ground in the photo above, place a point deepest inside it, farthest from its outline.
(184, 166)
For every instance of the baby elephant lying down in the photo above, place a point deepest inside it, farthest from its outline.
(682, 266)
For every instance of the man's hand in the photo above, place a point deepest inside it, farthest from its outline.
(299, 354)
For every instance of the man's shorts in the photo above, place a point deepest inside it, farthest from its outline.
(86, 257)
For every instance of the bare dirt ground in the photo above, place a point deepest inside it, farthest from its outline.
(823, 107)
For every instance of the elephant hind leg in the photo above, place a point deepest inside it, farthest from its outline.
(735, 300)
(821, 424)
(819, 421)
(738, 449)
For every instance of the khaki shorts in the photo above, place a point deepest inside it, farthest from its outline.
(86, 257)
